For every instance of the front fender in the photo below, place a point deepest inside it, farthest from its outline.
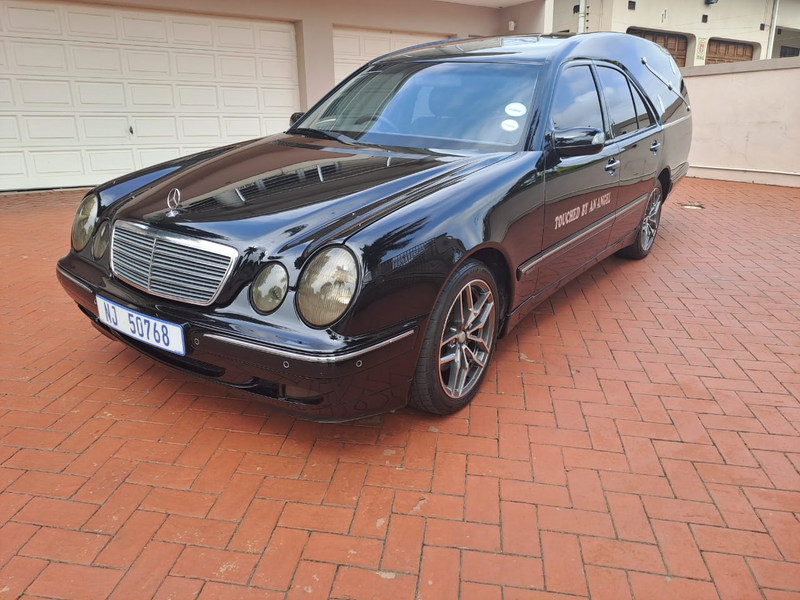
(408, 255)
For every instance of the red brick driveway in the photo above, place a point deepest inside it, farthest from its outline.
(638, 438)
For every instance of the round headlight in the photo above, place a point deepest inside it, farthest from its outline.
(269, 288)
(83, 225)
(101, 240)
(327, 286)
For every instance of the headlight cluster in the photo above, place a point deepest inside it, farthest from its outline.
(85, 221)
(326, 288)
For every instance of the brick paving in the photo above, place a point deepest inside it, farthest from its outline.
(639, 437)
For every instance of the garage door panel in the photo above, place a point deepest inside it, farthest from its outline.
(147, 64)
(110, 161)
(155, 128)
(94, 24)
(241, 128)
(192, 32)
(195, 97)
(12, 164)
(63, 162)
(37, 57)
(104, 129)
(194, 128)
(236, 36)
(238, 99)
(372, 46)
(276, 100)
(238, 67)
(277, 69)
(194, 66)
(32, 19)
(142, 29)
(6, 95)
(43, 93)
(9, 130)
(147, 157)
(93, 60)
(95, 95)
(38, 128)
(346, 45)
(74, 79)
(275, 39)
(150, 96)
(354, 47)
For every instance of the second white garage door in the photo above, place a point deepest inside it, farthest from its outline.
(88, 93)
(354, 47)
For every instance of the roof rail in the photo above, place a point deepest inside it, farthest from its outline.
(418, 46)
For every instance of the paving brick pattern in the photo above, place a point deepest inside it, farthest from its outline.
(637, 438)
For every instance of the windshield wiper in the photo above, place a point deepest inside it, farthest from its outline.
(326, 135)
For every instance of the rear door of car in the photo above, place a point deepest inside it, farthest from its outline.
(639, 139)
(581, 191)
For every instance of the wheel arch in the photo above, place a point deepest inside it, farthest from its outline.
(498, 263)
(666, 181)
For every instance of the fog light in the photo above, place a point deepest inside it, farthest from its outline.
(269, 288)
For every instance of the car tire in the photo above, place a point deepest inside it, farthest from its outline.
(459, 341)
(648, 230)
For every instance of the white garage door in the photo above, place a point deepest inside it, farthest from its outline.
(89, 93)
(354, 47)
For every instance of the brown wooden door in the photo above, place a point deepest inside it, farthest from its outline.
(723, 51)
(675, 43)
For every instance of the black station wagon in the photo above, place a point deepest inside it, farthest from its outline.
(371, 256)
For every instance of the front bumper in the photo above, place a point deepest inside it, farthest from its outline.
(365, 378)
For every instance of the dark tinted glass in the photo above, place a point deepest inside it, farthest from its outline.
(472, 106)
(618, 98)
(576, 103)
(641, 111)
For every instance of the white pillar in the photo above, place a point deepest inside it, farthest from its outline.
(547, 21)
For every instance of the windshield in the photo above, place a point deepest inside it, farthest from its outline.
(447, 105)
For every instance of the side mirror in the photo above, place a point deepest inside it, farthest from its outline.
(578, 141)
(295, 118)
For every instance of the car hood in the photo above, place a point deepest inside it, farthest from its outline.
(280, 192)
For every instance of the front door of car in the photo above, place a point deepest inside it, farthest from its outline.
(580, 191)
(639, 139)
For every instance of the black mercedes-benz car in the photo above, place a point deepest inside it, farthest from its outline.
(371, 256)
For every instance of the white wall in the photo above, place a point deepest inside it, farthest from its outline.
(745, 126)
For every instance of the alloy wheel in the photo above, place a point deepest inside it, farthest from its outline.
(466, 339)
(652, 216)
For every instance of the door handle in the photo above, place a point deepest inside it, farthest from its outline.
(655, 146)
(612, 165)
(130, 128)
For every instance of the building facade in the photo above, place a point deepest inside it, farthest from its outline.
(89, 91)
(696, 32)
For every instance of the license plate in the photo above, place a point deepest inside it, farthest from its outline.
(155, 332)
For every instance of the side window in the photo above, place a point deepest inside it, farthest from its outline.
(618, 98)
(641, 110)
(576, 103)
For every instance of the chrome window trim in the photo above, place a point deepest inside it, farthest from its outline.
(313, 358)
(213, 247)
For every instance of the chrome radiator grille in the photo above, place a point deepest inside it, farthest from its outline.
(171, 266)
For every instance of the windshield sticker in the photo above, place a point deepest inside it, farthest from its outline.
(509, 125)
(516, 109)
